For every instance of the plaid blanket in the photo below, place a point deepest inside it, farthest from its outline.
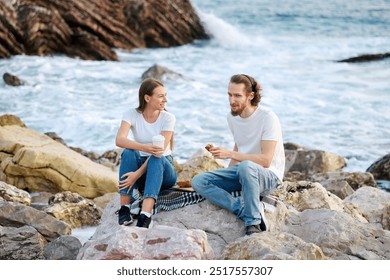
(172, 199)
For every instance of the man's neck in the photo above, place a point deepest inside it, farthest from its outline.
(248, 111)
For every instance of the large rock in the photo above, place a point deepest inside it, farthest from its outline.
(310, 162)
(63, 248)
(354, 179)
(74, 210)
(380, 169)
(11, 193)
(339, 235)
(374, 204)
(308, 195)
(200, 161)
(35, 162)
(271, 246)
(13, 214)
(91, 29)
(21, 243)
(11, 36)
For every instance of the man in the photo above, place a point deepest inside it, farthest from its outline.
(257, 161)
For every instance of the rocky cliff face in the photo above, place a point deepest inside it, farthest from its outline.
(90, 29)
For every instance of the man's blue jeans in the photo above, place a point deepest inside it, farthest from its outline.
(160, 173)
(248, 177)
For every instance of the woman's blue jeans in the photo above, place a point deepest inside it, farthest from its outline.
(160, 173)
(248, 177)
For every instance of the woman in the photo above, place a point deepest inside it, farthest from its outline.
(144, 166)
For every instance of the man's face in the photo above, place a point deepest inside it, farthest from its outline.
(238, 98)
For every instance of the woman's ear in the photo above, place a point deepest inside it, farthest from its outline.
(147, 98)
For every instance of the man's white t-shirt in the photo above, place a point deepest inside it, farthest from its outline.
(263, 124)
(143, 131)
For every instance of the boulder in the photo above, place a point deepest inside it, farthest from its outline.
(354, 179)
(339, 235)
(158, 243)
(63, 248)
(272, 246)
(380, 169)
(34, 162)
(200, 161)
(160, 73)
(374, 204)
(74, 210)
(21, 243)
(11, 35)
(11, 193)
(92, 29)
(366, 58)
(310, 162)
(12, 80)
(304, 195)
(8, 119)
(13, 214)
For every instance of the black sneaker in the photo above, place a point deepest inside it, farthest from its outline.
(124, 217)
(252, 229)
(143, 221)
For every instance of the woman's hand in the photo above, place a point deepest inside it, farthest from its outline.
(131, 178)
(155, 150)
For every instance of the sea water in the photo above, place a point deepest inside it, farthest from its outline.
(290, 47)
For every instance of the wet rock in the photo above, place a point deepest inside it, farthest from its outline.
(92, 29)
(12, 80)
(11, 35)
(160, 73)
(366, 58)
(380, 169)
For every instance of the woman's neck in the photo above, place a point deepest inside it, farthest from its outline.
(150, 115)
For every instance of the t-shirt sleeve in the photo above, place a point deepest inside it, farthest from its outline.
(271, 128)
(128, 116)
(169, 123)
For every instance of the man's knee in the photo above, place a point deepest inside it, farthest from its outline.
(246, 168)
(197, 182)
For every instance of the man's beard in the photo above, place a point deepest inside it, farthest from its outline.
(236, 112)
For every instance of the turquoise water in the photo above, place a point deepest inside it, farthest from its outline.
(289, 46)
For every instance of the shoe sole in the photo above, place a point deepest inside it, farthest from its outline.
(264, 223)
(127, 223)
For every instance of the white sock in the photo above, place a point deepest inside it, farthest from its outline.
(147, 214)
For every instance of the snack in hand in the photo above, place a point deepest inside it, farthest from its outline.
(184, 184)
(209, 146)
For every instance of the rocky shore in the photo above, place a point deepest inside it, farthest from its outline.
(47, 189)
(92, 29)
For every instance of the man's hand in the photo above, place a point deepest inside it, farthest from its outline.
(220, 153)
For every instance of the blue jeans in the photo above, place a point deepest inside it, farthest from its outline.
(248, 177)
(160, 173)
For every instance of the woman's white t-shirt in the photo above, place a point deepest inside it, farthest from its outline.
(143, 132)
(263, 124)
